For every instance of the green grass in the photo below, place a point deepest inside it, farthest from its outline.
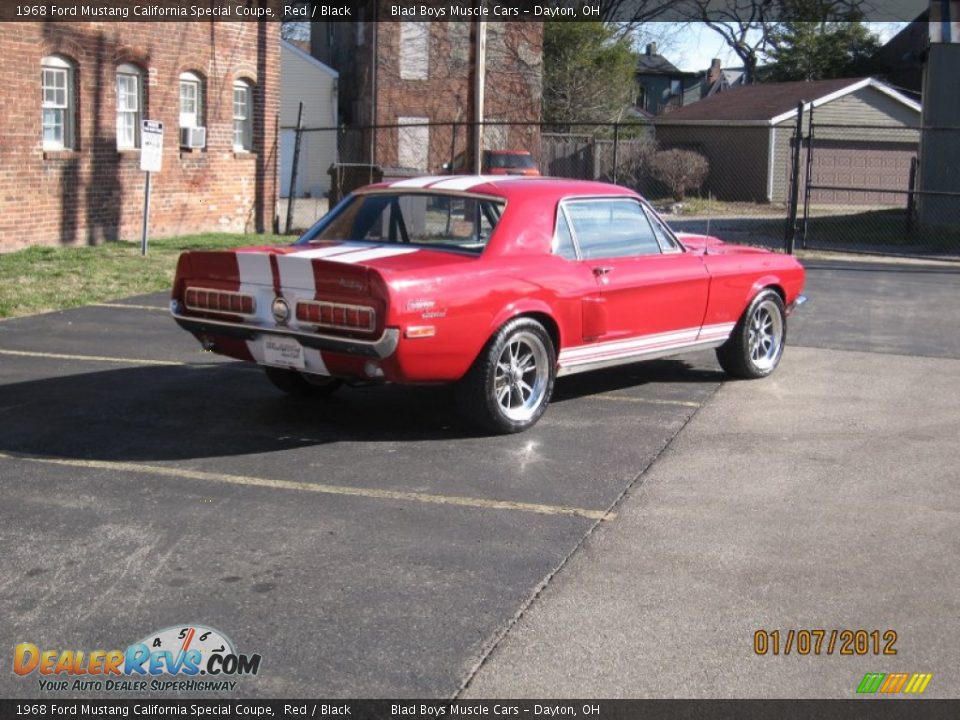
(39, 279)
(705, 207)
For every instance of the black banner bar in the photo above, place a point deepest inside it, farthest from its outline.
(860, 709)
(456, 10)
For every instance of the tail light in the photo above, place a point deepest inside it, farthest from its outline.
(337, 315)
(224, 301)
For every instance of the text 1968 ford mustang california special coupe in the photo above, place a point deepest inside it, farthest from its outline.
(498, 284)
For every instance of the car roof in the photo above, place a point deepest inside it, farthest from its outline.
(506, 186)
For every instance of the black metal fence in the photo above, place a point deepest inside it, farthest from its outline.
(863, 191)
(856, 188)
(333, 161)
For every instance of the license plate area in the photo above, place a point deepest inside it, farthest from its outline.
(283, 352)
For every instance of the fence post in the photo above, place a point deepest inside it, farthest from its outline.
(293, 170)
(616, 149)
(911, 197)
(791, 230)
(807, 180)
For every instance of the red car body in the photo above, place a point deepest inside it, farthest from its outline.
(408, 313)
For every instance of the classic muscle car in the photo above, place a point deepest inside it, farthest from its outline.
(498, 284)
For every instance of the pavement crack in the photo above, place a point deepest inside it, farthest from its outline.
(610, 513)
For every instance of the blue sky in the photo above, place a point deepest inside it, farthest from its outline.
(692, 46)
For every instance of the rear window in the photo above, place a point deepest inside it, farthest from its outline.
(446, 222)
(510, 160)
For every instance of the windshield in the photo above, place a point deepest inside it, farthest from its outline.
(510, 160)
(447, 222)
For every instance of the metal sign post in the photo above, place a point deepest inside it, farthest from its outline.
(151, 158)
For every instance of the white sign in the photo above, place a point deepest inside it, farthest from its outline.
(151, 145)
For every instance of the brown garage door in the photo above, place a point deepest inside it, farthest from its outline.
(862, 169)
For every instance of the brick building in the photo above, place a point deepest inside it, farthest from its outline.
(416, 72)
(74, 94)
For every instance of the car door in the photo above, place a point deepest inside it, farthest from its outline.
(650, 287)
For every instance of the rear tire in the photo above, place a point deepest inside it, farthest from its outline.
(756, 345)
(301, 385)
(509, 385)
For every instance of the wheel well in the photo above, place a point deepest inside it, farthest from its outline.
(778, 290)
(549, 324)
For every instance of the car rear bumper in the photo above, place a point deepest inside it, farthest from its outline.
(382, 347)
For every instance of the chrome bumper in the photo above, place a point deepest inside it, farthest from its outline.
(382, 347)
(801, 299)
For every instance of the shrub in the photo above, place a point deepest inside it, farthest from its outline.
(680, 171)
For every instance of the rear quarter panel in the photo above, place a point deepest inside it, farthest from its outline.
(468, 303)
(737, 277)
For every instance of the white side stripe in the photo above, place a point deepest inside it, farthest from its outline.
(657, 342)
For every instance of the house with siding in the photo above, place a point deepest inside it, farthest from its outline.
(306, 82)
(866, 136)
(75, 94)
(661, 86)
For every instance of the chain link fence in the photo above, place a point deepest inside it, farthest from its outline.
(863, 191)
(857, 186)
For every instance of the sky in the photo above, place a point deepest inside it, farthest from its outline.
(693, 46)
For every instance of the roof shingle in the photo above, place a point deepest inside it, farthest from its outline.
(755, 102)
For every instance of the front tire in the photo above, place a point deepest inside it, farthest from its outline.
(301, 385)
(756, 344)
(509, 385)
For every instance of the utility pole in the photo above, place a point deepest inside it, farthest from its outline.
(479, 82)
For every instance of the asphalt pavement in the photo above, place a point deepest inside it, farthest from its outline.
(371, 545)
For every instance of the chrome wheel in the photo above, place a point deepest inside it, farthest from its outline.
(522, 376)
(765, 335)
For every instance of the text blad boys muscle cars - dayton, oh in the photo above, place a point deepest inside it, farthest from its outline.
(497, 284)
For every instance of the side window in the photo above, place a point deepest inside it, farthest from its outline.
(611, 228)
(668, 243)
(129, 106)
(58, 106)
(563, 239)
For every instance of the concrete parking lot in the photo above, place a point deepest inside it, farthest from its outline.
(371, 545)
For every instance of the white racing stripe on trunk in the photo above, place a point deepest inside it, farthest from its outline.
(254, 269)
(256, 279)
(371, 254)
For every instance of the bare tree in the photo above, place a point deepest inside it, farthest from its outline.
(752, 28)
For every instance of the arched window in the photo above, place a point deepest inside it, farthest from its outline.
(242, 115)
(57, 78)
(191, 100)
(129, 106)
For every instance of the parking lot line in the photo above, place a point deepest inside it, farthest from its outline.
(371, 493)
(123, 306)
(650, 401)
(95, 358)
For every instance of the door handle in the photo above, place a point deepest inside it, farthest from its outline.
(602, 270)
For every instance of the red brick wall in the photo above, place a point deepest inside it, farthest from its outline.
(95, 192)
(513, 89)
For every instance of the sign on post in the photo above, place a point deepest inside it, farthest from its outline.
(151, 159)
(151, 145)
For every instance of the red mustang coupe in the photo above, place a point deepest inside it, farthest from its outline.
(498, 284)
